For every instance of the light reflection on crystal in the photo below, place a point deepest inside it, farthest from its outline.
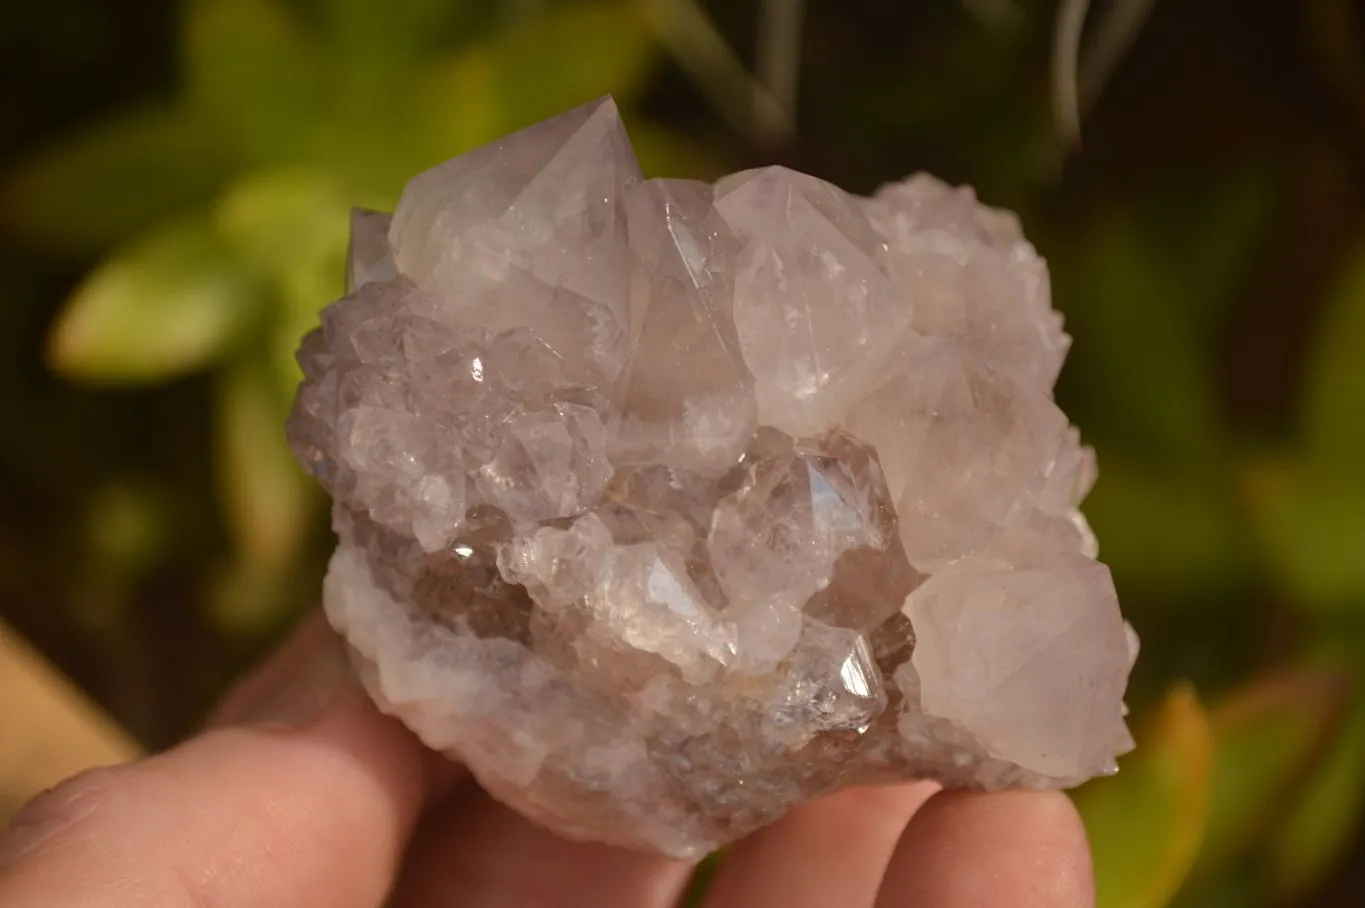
(854, 670)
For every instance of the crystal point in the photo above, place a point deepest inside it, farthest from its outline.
(369, 258)
(687, 398)
(817, 315)
(666, 507)
(530, 231)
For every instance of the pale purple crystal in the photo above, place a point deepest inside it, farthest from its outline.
(666, 507)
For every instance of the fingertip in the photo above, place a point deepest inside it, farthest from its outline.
(301, 676)
(977, 849)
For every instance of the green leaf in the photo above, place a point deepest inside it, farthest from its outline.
(1311, 526)
(1146, 292)
(1124, 302)
(1334, 399)
(373, 40)
(169, 303)
(254, 70)
(277, 218)
(267, 499)
(569, 54)
(292, 227)
(1322, 823)
(269, 504)
(1166, 529)
(116, 178)
(700, 884)
(1214, 244)
(128, 525)
(307, 290)
(1146, 824)
(1267, 737)
(536, 67)
(445, 108)
(245, 602)
(663, 153)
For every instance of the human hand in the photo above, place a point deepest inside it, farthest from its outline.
(303, 796)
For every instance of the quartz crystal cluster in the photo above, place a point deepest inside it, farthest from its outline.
(666, 506)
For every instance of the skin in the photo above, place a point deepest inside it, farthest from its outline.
(302, 794)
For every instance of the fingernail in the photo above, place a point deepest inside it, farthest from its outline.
(303, 689)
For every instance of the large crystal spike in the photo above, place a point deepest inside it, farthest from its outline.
(530, 232)
(369, 259)
(818, 317)
(687, 398)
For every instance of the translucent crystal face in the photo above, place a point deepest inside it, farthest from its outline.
(666, 507)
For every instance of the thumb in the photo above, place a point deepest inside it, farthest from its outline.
(312, 804)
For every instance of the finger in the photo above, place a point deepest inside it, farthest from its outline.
(316, 813)
(476, 853)
(299, 678)
(302, 674)
(980, 850)
(832, 851)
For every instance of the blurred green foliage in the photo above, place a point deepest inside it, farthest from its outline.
(167, 243)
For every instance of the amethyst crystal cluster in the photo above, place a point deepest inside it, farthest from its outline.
(666, 506)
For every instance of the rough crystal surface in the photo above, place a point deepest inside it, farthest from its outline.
(667, 506)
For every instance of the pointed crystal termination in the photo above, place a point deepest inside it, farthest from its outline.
(369, 259)
(667, 507)
(1016, 653)
(530, 232)
(687, 399)
(817, 315)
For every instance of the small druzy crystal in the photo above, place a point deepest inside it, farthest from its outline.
(667, 506)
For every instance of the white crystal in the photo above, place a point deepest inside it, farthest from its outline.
(369, 259)
(818, 317)
(530, 232)
(551, 463)
(779, 535)
(687, 398)
(973, 272)
(1019, 654)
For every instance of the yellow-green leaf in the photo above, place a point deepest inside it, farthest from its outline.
(569, 54)
(448, 107)
(254, 69)
(277, 218)
(1146, 824)
(1121, 295)
(1334, 400)
(246, 602)
(128, 525)
(1310, 522)
(535, 67)
(1166, 529)
(304, 289)
(1327, 812)
(117, 178)
(292, 226)
(697, 887)
(667, 154)
(170, 302)
(268, 500)
(1267, 737)
(369, 39)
